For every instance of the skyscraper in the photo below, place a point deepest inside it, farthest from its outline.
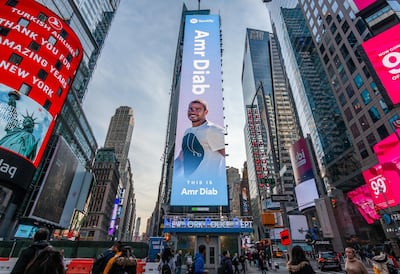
(119, 136)
(271, 124)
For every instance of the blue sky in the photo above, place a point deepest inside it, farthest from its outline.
(136, 67)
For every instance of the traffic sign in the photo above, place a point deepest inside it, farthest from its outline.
(282, 198)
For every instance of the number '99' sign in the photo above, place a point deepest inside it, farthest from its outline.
(378, 185)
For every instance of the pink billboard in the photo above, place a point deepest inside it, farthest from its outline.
(362, 4)
(388, 149)
(383, 51)
(361, 197)
(301, 161)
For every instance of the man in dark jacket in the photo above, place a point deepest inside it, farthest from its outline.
(39, 243)
(226, 263)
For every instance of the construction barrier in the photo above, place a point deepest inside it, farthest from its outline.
(7, 264)
(80, 266)
(151, 268)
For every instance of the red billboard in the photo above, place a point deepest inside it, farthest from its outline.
(39, 56)
(383, 51)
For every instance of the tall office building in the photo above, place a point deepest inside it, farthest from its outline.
(119, 136)
(194, 192)
(91, 21)
(271, 124)
(338, 30)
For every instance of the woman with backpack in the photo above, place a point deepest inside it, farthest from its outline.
(167, 262)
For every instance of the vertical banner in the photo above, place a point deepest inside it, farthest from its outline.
(39, 56)
(199, 173)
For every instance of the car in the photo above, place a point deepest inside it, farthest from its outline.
(329, 260)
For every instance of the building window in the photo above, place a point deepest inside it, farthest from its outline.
(354, 130)
(352, 39)
(42, 17)
(345, 27)
(59, 92)
(15, 59)
(4, 31)
(42, 74)
(361, 27)
(342, 99)
(25, 89)
(34, 46)
(47, 105)
(365, 96)
(364, 122)
(394, 122)
(371, 140)
(363, 150)
(356, 106)
(12, 3)
(366, 72)
(348, 114)
(382, 131)
(52, 40)
(344, 52)
(383, 105)
(351, 66)
(350, 91)
(64, 33)
(333, 29)
(374, 88)
(358, 81)
(338, 38)
(374, 114)
(23, 22)
(58, 65)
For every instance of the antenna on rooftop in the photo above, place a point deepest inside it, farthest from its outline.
(199, 5)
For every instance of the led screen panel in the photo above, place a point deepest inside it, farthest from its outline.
(39, 56)
(306, 193)
(199, 173)
(383, 52)
(301, 161)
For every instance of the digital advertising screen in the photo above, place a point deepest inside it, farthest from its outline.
(383, 51)
(301, 161)
(362, 4)
(306, 193)
(199, 172)
(39, 56)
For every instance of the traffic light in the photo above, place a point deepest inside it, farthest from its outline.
(334, 202)
(167, 237)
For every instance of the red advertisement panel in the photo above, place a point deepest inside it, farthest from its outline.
(362, 199)
(383, 186)
(39, 56)
(383, 52)
(362, 4)
(301, 161)
(388, 149)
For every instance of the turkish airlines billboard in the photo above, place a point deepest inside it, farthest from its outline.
(383, 51)
(39, 56)
(199, 173)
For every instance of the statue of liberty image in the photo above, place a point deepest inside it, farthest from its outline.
(19, 138)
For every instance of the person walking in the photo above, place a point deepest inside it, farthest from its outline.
(167, 262)
(102, 260)
(353, 265)
(226, 262)
(199, 261)
(48, 261)
(298, 263)
(40, 241)
(178, 262)
(235, 262)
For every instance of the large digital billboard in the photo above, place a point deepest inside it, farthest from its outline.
(39, 56)
(383, 51)
(199, 172)
(362, 4)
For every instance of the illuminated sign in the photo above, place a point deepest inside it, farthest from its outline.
(301, 161)
(39, 56)
(383, 51)
(236, 225)
(111, 229)
(362, 199)
(199, 174)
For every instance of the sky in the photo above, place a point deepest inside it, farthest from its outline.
(135, 69)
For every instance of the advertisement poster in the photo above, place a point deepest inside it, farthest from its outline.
(199, 174)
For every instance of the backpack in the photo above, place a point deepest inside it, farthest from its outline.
(166, 269)
(101, 262)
